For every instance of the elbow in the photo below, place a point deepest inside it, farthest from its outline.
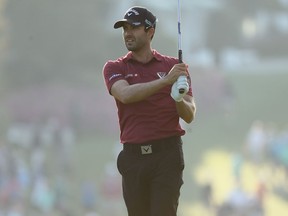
(190, 114)
(189, 120)
(191, 117)
(125, 100)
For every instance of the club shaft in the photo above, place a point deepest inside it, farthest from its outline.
(179, 28)
(180, 57)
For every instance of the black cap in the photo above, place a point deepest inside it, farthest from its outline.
(137, 16)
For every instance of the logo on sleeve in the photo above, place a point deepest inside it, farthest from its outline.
(114, 76)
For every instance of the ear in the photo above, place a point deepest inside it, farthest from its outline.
(151, 32)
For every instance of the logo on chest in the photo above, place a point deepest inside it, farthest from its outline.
(131, 75)
(161, 75)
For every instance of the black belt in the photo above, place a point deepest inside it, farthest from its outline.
(152, 146)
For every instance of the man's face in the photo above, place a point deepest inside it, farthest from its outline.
(136, 38)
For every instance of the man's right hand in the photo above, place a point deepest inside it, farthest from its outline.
(176, 71)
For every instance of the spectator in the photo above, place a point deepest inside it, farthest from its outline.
(256, 141)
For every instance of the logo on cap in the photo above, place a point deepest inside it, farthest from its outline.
(129, 13)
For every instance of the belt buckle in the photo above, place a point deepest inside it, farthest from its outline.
(147, 149)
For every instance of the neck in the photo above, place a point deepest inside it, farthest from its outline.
(144, 56)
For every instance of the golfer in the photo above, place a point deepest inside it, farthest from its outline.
(145, 86)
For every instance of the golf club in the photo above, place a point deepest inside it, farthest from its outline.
(181, 91)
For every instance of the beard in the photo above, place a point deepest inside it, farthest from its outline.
(131, 46)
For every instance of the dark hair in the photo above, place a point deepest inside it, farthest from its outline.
(147, 28)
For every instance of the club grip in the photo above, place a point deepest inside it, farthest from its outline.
(181, 91)
(180, 59)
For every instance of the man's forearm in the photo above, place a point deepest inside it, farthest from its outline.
(140, 91)
(186, 109)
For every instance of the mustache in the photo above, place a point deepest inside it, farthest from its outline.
(129, 38)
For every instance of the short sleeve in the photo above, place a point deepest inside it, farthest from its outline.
(112, 72)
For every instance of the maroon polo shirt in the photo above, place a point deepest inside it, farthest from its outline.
(156, 116)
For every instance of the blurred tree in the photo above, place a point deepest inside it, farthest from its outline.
(225, 27)
(3, 42)
(55, 40)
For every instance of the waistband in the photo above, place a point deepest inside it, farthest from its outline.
(153, 146)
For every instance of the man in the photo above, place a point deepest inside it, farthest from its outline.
(145, 86)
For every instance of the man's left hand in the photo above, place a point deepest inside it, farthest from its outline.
(181, 83)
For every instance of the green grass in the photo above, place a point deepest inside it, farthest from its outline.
(92, 155)
(261, 96)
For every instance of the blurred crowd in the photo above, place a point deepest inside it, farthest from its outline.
(267, 144)
(265, 152)
(38, 176)
(31, 183)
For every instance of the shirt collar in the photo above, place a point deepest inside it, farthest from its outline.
(157, 56)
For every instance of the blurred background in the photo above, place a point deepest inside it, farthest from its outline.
(59, 135)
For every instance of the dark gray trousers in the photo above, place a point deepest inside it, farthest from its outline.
(152, 176)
